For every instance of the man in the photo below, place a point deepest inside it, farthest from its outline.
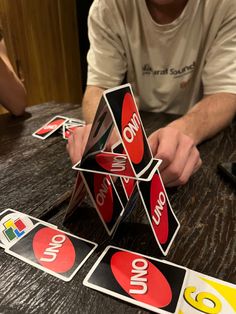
(180, 57)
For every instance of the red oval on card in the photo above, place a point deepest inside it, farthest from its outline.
(103, 195)
(114, 163)
(142, 280)
(128, 185)
(51, 126)
(54, 250)
(132, 134)
(159, 209)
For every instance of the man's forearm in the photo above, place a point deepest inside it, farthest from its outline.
(90, 102)
(208, 117)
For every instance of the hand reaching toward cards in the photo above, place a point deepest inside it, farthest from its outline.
(77, 142)
(179, 154)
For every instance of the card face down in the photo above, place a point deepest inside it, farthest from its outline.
(70, 125)
(14, 225)
(107, 163)
(50, 127)
(161, 217)
(78, 195)
(129, 125)
(54, 251)
(204, 294)
(105, 199)
(100, 131)
(141, 280)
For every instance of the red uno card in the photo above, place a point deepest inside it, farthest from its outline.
(100, 131)
(128, 183)
(54, 251)
(70, 126)
(162, 219)
(126, 117)
(107, 163)
(50, 127)
(78, 195)
(105, 199)
(150, 283)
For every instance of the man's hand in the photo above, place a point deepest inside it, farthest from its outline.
(77, 142)
(179, 154)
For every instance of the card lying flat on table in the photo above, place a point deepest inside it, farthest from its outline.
(54, 251)
(204, 294)
(158, 285)
(14, 225)
(50, 127)
(138, 279)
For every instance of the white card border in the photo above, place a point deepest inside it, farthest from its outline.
(24, 259)
(127, 299)
(43, 138)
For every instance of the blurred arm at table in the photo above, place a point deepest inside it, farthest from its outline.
(12, 90)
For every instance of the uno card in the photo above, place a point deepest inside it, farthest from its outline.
(75, 121)
(107, 163)
(128, 183)
(126, 117)
(56, 252)
(14, 225)
(100, 131)
(204, 294)
(120, 190)
(132, 202)
(67, 130)
(78, 195)
(50, 127)
(105, 199)
(153, 284)
(161, 217)
(70, 126)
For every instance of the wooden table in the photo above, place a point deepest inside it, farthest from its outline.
(36, 178)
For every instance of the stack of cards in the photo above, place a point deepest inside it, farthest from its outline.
(114, 180)
(158, 285)
(58, 124)
(42, 245)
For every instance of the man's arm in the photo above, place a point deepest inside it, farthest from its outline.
(176, 143)
(90, 102)
(78, 139)
(207, 117)
(12, 91)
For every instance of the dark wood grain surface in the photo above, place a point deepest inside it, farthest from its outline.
(36, 178)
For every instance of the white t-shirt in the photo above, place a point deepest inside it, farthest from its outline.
(170, 66)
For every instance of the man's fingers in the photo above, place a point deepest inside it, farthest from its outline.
(165, 143)
(183, 152)
(179, 154)
(192, 165)
(77, 142)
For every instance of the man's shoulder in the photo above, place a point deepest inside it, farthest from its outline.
(220, 4)
(115, 4)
